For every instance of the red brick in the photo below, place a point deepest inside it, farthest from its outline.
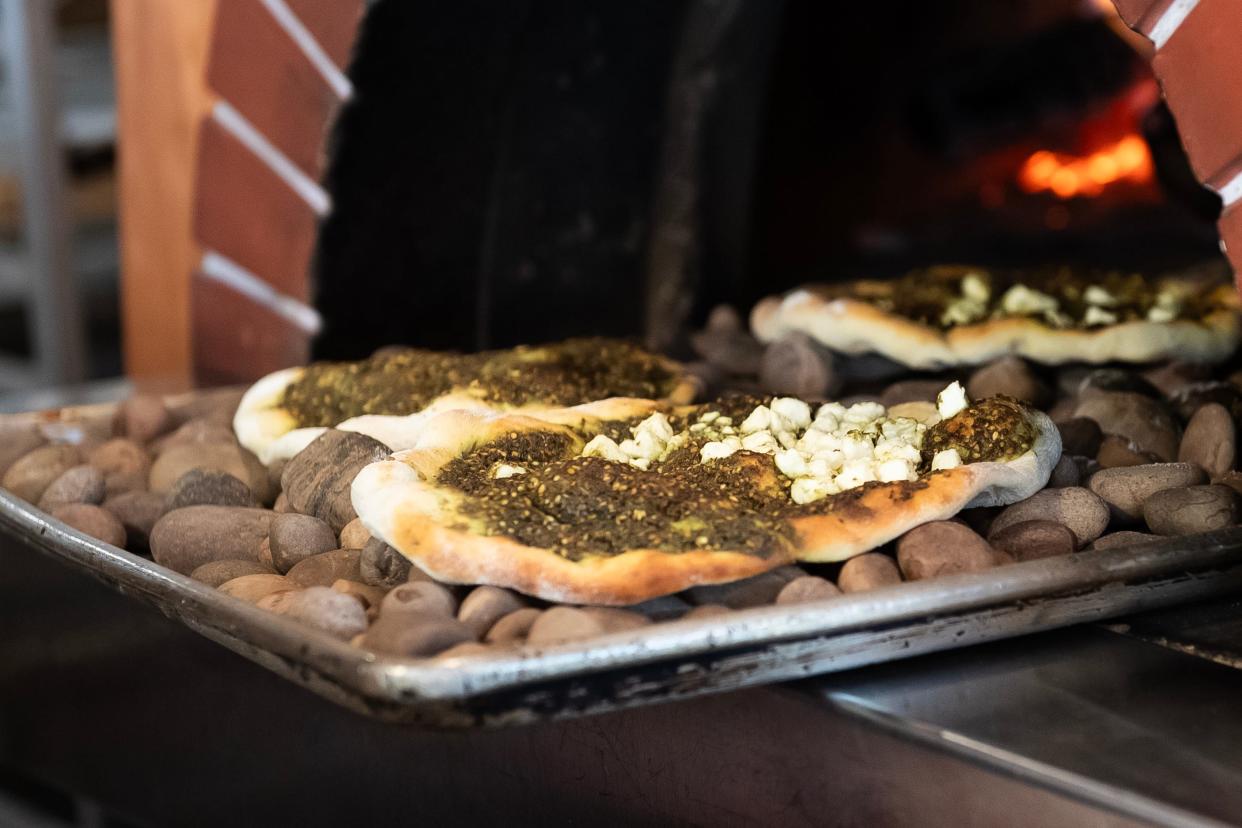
(256, 66)
(334, 23)
(236, 340)
(245, 211)
(1200, 69)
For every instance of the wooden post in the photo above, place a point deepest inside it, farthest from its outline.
(160, 51)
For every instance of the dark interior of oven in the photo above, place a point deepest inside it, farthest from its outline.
(533, 170)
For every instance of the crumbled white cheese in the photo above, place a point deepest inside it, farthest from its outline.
(1161, 314)
(976, 288)
(605, 447)
(1098, 316)
(1096, 295)
(1166, 308)
(715, 450)
(811, 489)
(1020, 300)
(947, 459)
(839, 449)
(502, 470)
(951, 400)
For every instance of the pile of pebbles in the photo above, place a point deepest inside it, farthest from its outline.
(1147, 453)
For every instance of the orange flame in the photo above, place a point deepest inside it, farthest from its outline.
(1068, 176)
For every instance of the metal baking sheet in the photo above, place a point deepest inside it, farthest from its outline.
(669, 660)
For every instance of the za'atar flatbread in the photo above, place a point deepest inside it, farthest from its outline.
(390, 395)
(960, 315)
(631, 499)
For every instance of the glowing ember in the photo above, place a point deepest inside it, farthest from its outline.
(1068, 176)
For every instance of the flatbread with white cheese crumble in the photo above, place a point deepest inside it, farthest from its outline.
(644, 499)
(961, 315)
(390, 395)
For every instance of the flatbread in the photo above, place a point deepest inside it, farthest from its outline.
(454, 530)
(857, 318)
(265, 424)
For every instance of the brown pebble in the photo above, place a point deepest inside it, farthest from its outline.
(80, 484)
(142, 418)
(192, 432)
(1143, 421)
(204, 487)
(281, 506)
(338, 614)
(730, 348)
(1191, 509)
(797, 366)
(415, 634)
(221, 457)
(1125, 489)
(560, 624)
(187, 538)
(17, 439)
(250, 588)
(354, 535)
(906, 391)
(1011, 376)
(30, 475)
(1065, 473)
(423, 597)
(1031, 540)
(369, 596)
(318, 479)
(1210, 441)
(221, 572)
(749, 592)
(119, 483)
(277, 602)
(512, 627)
(1231, 479)
(1062, 410)
(1080, 436)
(872, 570)
(1118, 452)
(465, 648)
(942, 548)
(662, 608)
(381, 565)
(120, 456)
(1174, 376)
(138, 512)
(807, 588)
(485, 605)
(265, 554)
(325, 568)
(1080, 509)
(92, 520)
(1115, 380)
(708, 611)
(615, 619)
(1113, 540)
(294, 538)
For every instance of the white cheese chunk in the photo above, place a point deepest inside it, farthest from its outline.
(976, 288)
(715, 450)
(951, 400)
(890, 471)
(1098, 316)
(810, 489)
(947, 459)
(793, 411)
(502, 470)
(1159, 313)
(758, 420)
(1097, 295)
(791, 463)
(855, 473)
(761, 441)
(1021, 300)
(605, 447)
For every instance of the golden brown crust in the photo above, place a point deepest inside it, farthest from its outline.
(854, 327)
(399, 502)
